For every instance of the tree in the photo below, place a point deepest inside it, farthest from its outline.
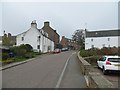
(79, 37)
(6, 40)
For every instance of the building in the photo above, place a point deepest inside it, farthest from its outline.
(102, 38)
(69, 43)
(37, 38)
(52, 34)
(8, 40)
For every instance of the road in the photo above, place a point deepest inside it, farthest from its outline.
(46, 72)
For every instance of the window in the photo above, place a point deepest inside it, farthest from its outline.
(108, 39)
(103, 45)
(92, 40)
(92, 46)
(22, 38)
(39, 37)
(102, 59)
(38, 46)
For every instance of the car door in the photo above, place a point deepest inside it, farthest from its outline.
(101, 62)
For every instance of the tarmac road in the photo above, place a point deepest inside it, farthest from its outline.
(45, 72)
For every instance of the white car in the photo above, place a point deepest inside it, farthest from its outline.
(109, 63)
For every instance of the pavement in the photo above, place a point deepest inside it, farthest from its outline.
(45, 72)
(113, 77)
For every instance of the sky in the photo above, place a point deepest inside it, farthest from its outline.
(65, 17)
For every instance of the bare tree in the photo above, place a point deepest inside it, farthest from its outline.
(79, 37)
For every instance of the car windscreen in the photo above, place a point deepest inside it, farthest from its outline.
(114, 59)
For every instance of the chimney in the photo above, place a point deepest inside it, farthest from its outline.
(63, 37)
(34, 24)
(46, 23)
(9, 35)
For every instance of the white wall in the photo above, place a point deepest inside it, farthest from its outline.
(31, 37)
(99, 41)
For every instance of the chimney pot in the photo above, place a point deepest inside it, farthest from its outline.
(34, 24)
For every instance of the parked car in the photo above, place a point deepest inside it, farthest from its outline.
(109, 63)
(64, 49)
(57, 51)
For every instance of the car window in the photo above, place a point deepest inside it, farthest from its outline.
(114, 59)
(102, 59)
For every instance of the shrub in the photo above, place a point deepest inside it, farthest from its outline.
(22, 50)
(103, 51)
(5, 56)
(27, 47)
(84, 53)
(29, 55)
(93, 60)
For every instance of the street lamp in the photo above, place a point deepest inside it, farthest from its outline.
(39, 43)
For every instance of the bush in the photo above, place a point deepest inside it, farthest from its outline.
(5, 56)
(103, 51)
(27, 47)
(83, 53)
(22, 50)
(29, 55)
(93, 60)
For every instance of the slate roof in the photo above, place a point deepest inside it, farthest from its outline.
(103, 33)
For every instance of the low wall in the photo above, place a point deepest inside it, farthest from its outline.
(93, 79)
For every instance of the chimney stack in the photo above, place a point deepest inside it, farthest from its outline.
(46, 23)
(34, 24)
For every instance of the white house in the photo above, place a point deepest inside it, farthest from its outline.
(103, 38)
(37, 38)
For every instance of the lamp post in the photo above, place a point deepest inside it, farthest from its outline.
(39, 43)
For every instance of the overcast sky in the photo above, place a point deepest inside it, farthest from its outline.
(65, 17)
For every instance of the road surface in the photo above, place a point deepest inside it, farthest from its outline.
(45, 72)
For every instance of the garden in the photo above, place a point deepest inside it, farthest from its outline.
(17, 54)
(92, 55)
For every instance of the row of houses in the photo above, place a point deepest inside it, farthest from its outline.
(42, 40)
(46, 39)
(69, 43)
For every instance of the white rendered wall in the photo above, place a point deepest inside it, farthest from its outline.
(31, 37)
(99, 41)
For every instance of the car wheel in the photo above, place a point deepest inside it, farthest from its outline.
(98, 67)
(104, 71)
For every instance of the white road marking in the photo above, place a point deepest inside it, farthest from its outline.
(63, 71)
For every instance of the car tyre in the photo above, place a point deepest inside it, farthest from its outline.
(104, 71)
